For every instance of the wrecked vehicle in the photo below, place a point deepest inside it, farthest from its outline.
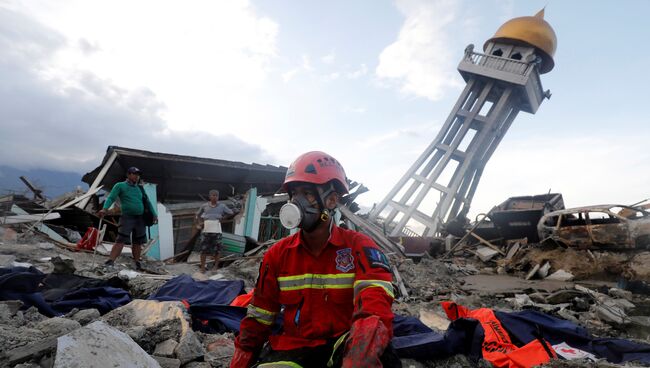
(598, 227)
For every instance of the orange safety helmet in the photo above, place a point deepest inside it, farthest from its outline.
(317, 167)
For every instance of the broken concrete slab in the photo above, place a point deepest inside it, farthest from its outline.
(505, 284)
(620, 294)
(167, 362)
(6, 260)
(533, 272)
(197, 365)
(99, 342)
(563, 296)
(8, 309)
(611, 314)
(486, 253)
(34, 350)
(85, 316)
(433, 320)
(148, 313)
(560, 275)
(543, 271)
(220, 352)
(512, 250)
(166, 348)
(57, 326)
(189, 348)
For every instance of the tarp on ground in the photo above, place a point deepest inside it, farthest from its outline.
(522, 325)
(184, 287)
(64, 292)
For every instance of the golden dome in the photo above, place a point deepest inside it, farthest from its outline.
(533, 31)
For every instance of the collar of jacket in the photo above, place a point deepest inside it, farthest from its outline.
(336, 237)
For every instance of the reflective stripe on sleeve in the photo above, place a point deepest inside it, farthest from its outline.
(361, 285)
(316, 281)
(260, 315)
(279, 365)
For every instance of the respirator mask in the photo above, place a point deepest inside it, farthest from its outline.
(298, 212)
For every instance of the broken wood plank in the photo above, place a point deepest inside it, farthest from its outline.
(488, 244)
(459, 243)
(21, 219)
(38, 193)
(400, 283)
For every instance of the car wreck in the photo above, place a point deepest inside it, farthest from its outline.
(597, 227)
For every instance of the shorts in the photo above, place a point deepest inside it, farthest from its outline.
(211, 243)
(131, 227)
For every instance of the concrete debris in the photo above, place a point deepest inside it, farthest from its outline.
(85, 316)
(485, 253)
(57, 326)
(434, 320)
(219, 350)
(189, 348)
(533, 272)
(167, 362)
(165, 348)
(99, 342)
(560, 275)
(543, 271)
(601, 290)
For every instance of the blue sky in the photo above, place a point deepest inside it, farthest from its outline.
(370, 82)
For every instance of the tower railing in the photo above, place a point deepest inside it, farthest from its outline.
(499, 63)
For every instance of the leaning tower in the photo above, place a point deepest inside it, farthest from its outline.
(501, 82)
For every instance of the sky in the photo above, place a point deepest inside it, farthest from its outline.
(369, 81)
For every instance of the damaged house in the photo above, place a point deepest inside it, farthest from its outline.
(179, 184)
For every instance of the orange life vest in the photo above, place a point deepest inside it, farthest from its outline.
(497, 347)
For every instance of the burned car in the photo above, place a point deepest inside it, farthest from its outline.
(597, 227)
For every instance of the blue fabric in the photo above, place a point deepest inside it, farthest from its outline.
(30, 286)
(184, 287)
(412, 339)
(210, 318)
(521, 326)
(104, 299)
(22, 283)
(405, 326)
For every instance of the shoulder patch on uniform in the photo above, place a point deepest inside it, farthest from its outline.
(344, 259)
(376, 258)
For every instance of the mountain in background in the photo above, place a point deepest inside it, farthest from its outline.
(53, 183)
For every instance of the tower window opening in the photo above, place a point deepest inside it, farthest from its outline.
(516, 56)
(497, 52)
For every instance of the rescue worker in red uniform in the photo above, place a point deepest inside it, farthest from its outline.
(332, 285)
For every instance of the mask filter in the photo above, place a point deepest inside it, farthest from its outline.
(299, 213)
(290, 215)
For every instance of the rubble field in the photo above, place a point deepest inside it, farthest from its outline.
(150, 333)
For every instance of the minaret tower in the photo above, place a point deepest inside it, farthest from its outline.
(500, 82)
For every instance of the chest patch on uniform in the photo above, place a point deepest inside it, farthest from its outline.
(376, 258)
(344, 260)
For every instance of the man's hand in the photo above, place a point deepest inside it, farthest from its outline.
(155, 219)
(101, 213)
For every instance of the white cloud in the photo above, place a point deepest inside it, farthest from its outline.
(71, 114)
(329, 58)
(306, 63)
(196, 58)
(597, 169)
(420, 61)
(355, 74)
(356, 110)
